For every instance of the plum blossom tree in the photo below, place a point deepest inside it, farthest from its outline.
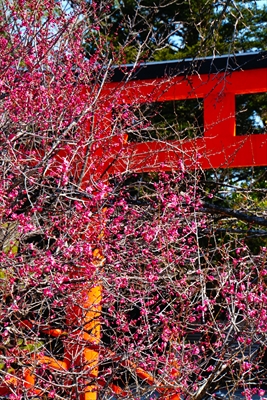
(117, 286)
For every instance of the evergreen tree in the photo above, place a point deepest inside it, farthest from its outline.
(172, 29)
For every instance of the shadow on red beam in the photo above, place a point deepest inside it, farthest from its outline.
(206, 153)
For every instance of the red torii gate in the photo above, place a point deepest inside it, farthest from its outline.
(216, 80)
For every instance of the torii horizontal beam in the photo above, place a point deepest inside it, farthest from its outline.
(215, 80)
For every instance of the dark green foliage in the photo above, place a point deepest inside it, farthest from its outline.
(251, 113)
(169, 120)
(136, 30)
(243, 190)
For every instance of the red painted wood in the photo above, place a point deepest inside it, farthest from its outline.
(219, 148)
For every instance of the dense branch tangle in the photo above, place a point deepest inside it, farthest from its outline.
(75, 248)
(219, 128)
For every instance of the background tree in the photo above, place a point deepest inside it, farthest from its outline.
(162, 30)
